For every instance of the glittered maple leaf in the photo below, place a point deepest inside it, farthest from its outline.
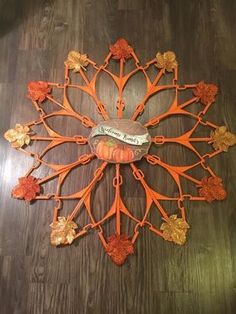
(27, 188)
(206, 93)
(121, 50)
(175, 229)
(222, 139)
(166, 61)
(38, 91)
(63, 231)
(212, 189)
(119, 247)
(19, 136)
(75, 61)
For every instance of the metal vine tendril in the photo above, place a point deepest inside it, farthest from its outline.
(173, 228)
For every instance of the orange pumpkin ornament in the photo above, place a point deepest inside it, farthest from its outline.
(105, 148)
(123, 154)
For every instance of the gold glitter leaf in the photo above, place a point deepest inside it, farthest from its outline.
(166, 61)
(75, 61)
(18, 136)
(174, 229)
(63, 231)
(222, 139)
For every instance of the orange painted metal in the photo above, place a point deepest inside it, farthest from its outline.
(118, 208)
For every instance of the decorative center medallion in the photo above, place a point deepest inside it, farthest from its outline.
(120, 140)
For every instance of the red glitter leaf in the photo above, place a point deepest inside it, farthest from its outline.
(118, 248)
(121, 49)
(212, 189)
(27, 188)
(38, 91)
(205, 92)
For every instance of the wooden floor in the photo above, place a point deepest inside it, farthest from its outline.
(200, 277)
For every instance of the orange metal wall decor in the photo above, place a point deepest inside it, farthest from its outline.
(117, 145)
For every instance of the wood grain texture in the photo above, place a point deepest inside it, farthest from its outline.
(35, 37)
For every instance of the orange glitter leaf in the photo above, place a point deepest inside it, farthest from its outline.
(212, 188)
(38, 91)
(119, 247)
(121, 50)
(205, 93)
(27, 188)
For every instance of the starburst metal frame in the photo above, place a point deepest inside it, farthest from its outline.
(118, 207)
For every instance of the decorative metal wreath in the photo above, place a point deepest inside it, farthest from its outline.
(119, 141)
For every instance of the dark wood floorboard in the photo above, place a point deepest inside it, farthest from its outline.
(35, 278)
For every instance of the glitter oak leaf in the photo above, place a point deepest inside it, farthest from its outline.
(166, 61)
(222, 139)
(19, 136)
(38, 91)
(212, 188)
(119, 247)
(63, 231)
(205, 93)
(175, 229)
(75, 61)
(27, 188)
(121, 50)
